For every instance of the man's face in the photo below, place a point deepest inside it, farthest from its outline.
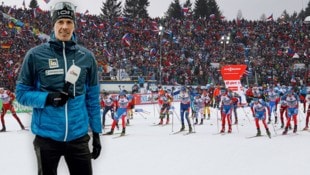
(63, 29)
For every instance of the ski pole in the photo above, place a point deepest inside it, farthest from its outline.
(237, 127)
(246, 114)
(274, 128)
(153, 101)
(178, 117)
(172, 116)
(145, 112)
(217, 119)
(301, 115)
(194, 128)
(141, 115)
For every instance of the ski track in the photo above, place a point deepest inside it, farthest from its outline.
(156, 150)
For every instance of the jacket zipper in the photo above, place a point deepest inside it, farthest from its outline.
(74, 83)
(66, 105)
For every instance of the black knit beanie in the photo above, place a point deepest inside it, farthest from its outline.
(65, 12)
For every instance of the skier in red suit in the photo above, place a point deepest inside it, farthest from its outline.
(7, 98)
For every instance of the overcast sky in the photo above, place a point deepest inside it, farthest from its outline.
(251, 9)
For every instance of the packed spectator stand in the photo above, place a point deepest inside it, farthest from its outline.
(275, 51)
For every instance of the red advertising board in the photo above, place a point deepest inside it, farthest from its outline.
(232, 74)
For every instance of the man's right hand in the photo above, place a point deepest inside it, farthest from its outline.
(56, 99)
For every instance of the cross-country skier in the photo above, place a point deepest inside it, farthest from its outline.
(249, 95)
(283, 104)
(207, 98)
(257, 92)
(159, 93)
(216, 96)
(303, 93)
(121, 105)
(131, 107)
(292, 100)
(192, 93)
(282, 90)
(236, 100)
(107, 103)
(272, 98)
(210, 90)
(283, 107)
(258, 108)
(307, 117)
(184, 96)
(166, 99)
(198, 107)
(226, 106)
(7, 98)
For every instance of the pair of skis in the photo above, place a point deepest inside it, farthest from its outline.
(20, 130)
(158, 124)
(222, 133)
(118, 136)
(184, 132)
(269, 136)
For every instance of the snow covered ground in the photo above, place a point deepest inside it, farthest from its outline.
(154, 150)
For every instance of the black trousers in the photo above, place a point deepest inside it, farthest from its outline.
(76, 153)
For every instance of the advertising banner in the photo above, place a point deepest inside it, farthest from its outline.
(231, 75)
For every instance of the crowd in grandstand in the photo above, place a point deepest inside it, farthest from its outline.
(189, 47)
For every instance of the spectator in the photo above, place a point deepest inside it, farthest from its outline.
(141, 81)
(187, 57)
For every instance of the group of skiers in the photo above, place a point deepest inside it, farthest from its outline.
(263, 102)
(120, 107)
(195, 104)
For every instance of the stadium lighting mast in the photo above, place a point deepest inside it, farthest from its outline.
(160, 33)
(225, 39)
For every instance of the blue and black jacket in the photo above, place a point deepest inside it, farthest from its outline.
(44, 69)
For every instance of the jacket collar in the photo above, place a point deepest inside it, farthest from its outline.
(70, 45)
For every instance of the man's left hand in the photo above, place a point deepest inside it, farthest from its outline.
(96, 146)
